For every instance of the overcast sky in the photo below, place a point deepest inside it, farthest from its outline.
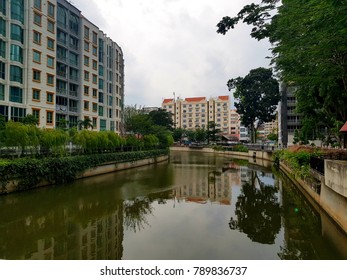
(172, 46)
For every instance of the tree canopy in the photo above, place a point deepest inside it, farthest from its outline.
(257, 96)
(309, 47)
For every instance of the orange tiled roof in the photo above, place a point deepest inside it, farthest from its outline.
(195, 99)
(344, 128)
(167, 100)
(224, 97)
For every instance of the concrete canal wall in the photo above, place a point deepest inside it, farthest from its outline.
(12, 185)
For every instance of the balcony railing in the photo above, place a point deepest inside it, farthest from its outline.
(61, 91)
(73, 93)
(73, 109)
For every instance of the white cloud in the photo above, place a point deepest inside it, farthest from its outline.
(172, 46)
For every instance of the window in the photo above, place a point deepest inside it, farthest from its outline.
(36, 56)
(94, 122)
(50, 61)
(16, 74)
(74, 23)
(95, 38)
(49, 118)
(2, 92)
(110, 113)
(37, 37)
(3, 27)
(17, 114)
(74, 43)
(86, 90)
(50, 10)
(101, 71)
(86, 105)
(36, 75)
(2, 49)
(36, 94)
(50, 79)
(38, 4)
(16, 53)
(95, 64)
(50, 26)
(86, 46)
(17, 33)
(2, 70)
(112, 127)
(86, 33)
(102, 125)
(95, 51)
(101, 84)
(36, 114)
(17, 10)
(3, 7)
(16, 94)
(73, 59)
(86, 60)
(95, 79)
(86, 75)
(37, 19)
(50, 43)
(101, 111)
(62, 16)
(101, 97)
(50, 97)
(62, 37)
(95, 107)
(95, 93)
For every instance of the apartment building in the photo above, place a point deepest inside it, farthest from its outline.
(234, 125)
(57, 65)
(196, 112)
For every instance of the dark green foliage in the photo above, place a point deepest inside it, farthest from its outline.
(29, 172)
(162, 118)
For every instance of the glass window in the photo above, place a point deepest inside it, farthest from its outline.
(36, 75)
(62, 36)
(62, 16)
(16, 94)
(86, 75)
(102, 125)
(86, 60)
(95, 93)
(74, 26)
(3, 7)
(50, 26)
(16, 74)
(17, 114)
(2, 27)
(38, 4)
(50, 44)
(95, 51)
(101, 71)
(2, 92)
(95, 38)
(2, 70)
(73, 59)
(95, 64)
(17, 33)
(49, 117)
(17, 10)
(94, 122)
(16, 53)
(86, 105)
(95, 107)
(36, 114)
(101, 84)
(37, 19)
(74, 43)
(50, 97)
(95, 79)
(37, 37)
(101, 111)
(50, 10)
(36, 94)
(86, 90)
(50, 79)
(86, 46)
(86, 32)
(50, 61)
(36, 56)
(2, 49)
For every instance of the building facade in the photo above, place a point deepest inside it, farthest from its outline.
(58, 66)
(195, 112)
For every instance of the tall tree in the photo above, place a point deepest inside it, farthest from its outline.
(161, 117)
(257, 96)
(309, 41)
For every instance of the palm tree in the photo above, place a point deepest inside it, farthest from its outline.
(85, 124)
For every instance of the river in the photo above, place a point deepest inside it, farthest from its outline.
(196, 206)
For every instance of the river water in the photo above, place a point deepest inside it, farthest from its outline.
(197, 206)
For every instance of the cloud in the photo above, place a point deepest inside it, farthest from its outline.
(172, 46)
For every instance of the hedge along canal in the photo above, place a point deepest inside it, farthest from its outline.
(28, 173)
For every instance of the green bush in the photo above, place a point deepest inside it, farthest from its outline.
(29, 172)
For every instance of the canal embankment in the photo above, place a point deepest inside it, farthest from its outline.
(328, 190)
(24, 174)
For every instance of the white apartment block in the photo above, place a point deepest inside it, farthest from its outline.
(195, 112)
(56, 64)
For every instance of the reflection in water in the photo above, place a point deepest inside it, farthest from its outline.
(180, 210)
(258, 210)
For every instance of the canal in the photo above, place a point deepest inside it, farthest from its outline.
(197, 206)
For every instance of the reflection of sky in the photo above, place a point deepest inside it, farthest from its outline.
(193, 231)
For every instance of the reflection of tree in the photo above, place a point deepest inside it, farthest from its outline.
(258, 211)
(135, 213)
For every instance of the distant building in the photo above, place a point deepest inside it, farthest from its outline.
(195, 112)
(288, 118)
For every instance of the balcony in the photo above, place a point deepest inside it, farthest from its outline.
(74, 78)
(61, 91)
(61, 74)
(73, 109)
(73, 93)
(61, 108)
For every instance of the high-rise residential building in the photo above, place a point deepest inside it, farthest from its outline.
(288, 118)
(234, 125)
(57, 65)
(196, 112)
